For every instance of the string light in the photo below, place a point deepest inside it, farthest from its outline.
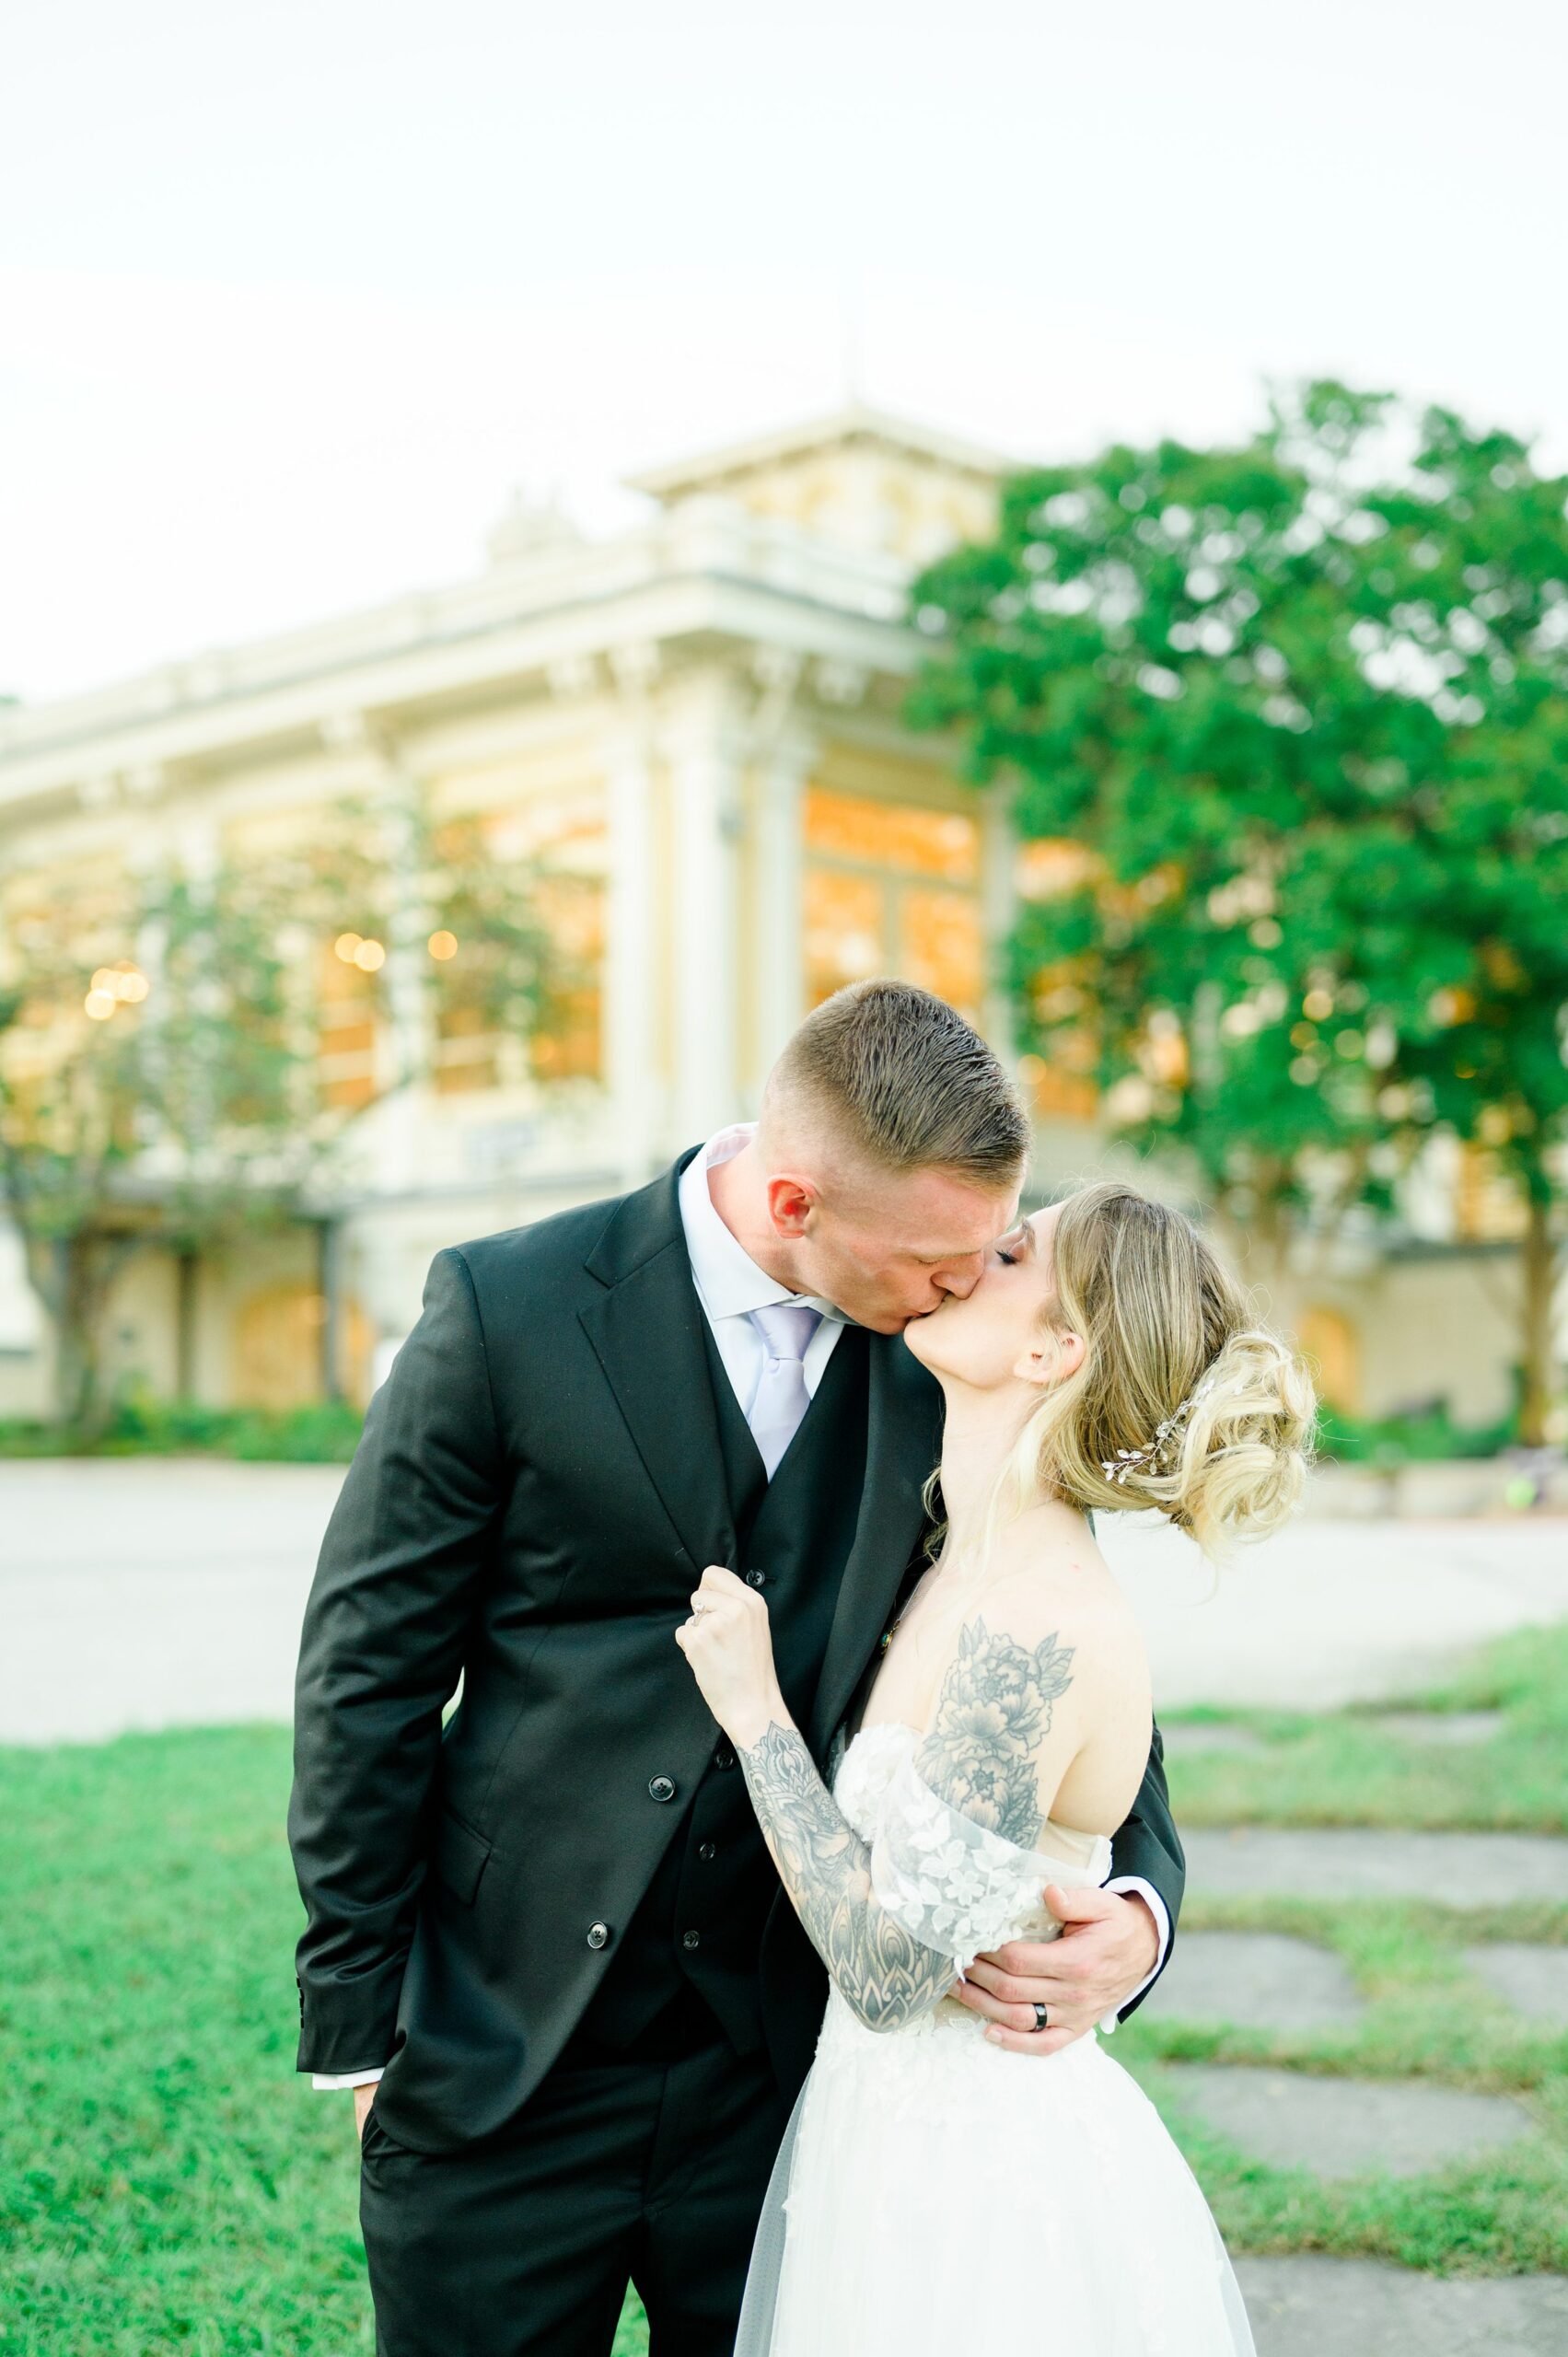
(345, 947)
(443, 944)
(368, 956)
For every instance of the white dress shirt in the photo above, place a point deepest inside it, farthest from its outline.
(730, 1286)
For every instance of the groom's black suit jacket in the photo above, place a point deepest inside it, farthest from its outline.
(552, 1460)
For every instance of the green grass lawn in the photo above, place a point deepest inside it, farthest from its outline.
(1428, 2015)
(1342, 1770)
(169, 2183)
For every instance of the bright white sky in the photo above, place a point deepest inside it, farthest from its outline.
(292, 294)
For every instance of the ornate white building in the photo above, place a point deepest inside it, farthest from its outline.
(697, 727)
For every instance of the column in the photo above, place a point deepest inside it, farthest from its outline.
(702, 751)
(392, 794)
(408, 926)
(779, 948)
(631, 981)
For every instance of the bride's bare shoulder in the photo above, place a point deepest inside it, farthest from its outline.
(1043, 1690)
(1049, 1579)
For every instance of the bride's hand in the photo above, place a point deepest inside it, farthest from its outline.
(729, 1644)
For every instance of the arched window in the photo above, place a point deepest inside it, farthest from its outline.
(1331, 1343)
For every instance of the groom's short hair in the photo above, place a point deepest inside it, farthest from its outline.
(898, 1074)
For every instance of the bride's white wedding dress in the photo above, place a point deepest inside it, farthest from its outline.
(937, 2193)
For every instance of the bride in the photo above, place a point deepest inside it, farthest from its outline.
(932, 2195)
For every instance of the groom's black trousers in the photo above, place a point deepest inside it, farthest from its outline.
(522, 2246)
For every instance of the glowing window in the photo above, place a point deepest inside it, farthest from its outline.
(891, 887)
(894, 835)
(560, 845)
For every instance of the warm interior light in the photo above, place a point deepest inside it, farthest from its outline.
(345, 947)
(368, 956)
(443, 944)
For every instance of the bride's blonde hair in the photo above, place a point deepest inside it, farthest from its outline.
(1183, 1399)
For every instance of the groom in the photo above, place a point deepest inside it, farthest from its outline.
(550, 1929)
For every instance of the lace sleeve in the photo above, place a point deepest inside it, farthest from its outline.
(948, 1881)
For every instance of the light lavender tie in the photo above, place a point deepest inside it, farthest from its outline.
(781, 1401)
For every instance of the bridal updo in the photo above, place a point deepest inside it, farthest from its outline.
(1184, 1402)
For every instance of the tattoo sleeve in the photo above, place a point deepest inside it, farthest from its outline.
(980, 1755)
(883, 1973)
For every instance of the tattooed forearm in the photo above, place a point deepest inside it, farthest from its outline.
(981, 1757)
(981, 1753)
(886, 1975)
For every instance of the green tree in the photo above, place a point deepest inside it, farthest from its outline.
(1294, 715)
(160, 1080)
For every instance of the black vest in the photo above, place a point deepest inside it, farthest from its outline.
(687, 1966)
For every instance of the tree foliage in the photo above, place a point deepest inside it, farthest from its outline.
(1294, 715)
(161, 1080)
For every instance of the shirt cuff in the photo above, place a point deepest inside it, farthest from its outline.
(1133, 1886)
(344, 2078)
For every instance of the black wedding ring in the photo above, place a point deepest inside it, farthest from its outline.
(1039, 2017)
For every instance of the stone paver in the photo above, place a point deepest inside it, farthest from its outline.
(1315, 2306)
(1438, 1726)
(1365, 1862)
(1188, 1742)
(1534, 1980)
(1345, 2127)
(1256, 1980)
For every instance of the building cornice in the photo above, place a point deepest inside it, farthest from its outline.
(710, 571)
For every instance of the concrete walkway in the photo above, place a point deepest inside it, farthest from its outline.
(147, 1593)
(1328, 1613)
(153, 1593)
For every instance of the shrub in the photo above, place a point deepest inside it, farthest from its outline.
(323, 1432)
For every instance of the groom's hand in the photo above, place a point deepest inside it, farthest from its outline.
(362, 2099)
(1109, 1947)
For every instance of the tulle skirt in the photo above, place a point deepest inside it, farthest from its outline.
(936, 2193)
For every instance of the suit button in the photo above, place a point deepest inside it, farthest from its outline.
(660, 1788)
(724, 1757)
(689, 1940)
(598, 1934)
(708, 1853)
(756, 1579)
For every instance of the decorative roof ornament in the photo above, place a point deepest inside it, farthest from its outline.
(1132, 1461)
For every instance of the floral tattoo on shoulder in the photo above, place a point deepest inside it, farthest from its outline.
(994, 1711)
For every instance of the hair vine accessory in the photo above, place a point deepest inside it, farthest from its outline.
(1129, 1461)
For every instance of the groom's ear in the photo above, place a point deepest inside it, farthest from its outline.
(790, 1202)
